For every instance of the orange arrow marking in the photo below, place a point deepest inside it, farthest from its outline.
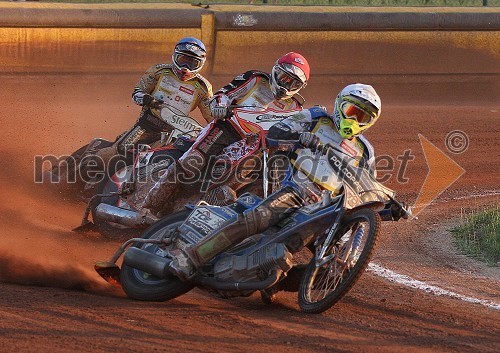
(443, 171)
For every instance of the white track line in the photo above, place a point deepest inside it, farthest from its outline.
(413, 283)
(488, 193)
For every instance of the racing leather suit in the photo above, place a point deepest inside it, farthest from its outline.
(161, 82)
(305, 186)
(250, 89)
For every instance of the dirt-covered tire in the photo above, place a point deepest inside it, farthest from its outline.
(331, 280)
(143, 286)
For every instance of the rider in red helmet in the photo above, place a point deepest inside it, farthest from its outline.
(252, 88)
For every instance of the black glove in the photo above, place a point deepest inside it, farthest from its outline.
(151, 101)
(309, 140)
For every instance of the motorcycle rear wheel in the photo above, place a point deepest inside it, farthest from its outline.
(323, 286)
(143, 286)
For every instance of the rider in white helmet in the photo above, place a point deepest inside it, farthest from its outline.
(252, 88)
(356, 108)
(179, 84)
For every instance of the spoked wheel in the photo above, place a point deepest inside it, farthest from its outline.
(143, 286)
(326, 282)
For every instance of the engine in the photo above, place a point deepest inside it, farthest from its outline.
(254, 266)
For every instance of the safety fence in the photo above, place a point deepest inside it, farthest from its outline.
(340, 41)
(401, 3)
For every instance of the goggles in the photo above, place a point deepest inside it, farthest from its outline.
(187, 61)
(287, 81)
(352, 111)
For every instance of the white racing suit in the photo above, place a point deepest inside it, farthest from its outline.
(161, 82)
(250, 89)
(310, 177)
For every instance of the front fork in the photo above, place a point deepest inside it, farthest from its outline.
(265, 157)
(346, 256)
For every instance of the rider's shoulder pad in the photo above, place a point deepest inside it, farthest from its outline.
(162, 66)
(253, 73)
(205, 84)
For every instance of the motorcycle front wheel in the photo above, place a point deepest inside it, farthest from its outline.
(143, 286)
(326, 283)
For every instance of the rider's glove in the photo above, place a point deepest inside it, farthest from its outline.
(219, 106)
(320, 108)
(151, 101)
(309, 140)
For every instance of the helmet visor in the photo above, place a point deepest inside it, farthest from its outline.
(352, 111)
(287, 81)
(187, 61)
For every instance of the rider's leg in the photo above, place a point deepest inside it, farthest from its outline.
(145, 130)
(190, 168)
(269, 212)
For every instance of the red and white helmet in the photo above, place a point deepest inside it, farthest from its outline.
(289, 75)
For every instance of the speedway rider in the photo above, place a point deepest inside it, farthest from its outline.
(356, 108)
(178, 84)
(250, 89)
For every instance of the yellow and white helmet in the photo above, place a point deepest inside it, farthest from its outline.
(356, 108)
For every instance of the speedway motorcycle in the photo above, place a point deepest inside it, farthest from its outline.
(242, 166)
(74, 173)
(340, 231)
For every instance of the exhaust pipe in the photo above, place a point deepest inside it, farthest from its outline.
(147, 262)
(160, 267)
(121, 216)
(270, 281)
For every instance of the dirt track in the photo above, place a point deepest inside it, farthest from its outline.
(52, 301)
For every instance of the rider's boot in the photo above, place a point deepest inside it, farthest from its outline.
(166, 189)
(252, 221)
(290, 283)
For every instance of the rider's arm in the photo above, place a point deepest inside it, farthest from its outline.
(204, 98)
(240, 85)
(368, 155)
(146, 84)
(289, 129)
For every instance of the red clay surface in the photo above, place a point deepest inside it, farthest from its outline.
(52, 301)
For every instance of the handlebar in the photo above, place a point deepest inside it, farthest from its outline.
(232, 107)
